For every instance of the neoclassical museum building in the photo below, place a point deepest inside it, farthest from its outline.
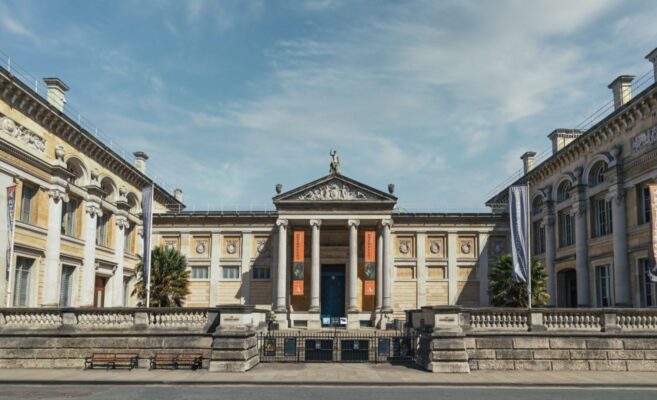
(335, 250)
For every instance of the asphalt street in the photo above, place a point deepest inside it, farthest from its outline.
(221, 392)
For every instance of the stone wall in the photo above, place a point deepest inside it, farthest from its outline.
(462, 340)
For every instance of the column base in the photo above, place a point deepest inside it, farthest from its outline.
(314, 309)
(353, 320)
(280, 309)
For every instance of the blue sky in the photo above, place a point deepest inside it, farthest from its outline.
(229, 98)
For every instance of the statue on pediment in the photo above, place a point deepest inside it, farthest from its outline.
(335, 162)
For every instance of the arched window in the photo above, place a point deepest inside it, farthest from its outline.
(77, 171)
(108, 188)
(563, 192)
(597, 174)
(537, 205)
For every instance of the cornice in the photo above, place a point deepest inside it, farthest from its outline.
(17, 95)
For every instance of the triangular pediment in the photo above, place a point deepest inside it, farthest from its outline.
(335, 188)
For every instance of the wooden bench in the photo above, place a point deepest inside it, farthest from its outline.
(173, 361)
(111, 360)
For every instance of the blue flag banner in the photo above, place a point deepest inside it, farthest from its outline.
(518, 210)
(11, 207)
(147, 215)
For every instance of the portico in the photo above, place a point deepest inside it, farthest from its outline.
(332, 216)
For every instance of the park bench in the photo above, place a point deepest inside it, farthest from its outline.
(173, 361)
(111, 360)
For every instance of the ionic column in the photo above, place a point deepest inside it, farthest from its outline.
(550, 255)
(282, 266)
(353, 264)
(92, 213)
(314, 266)
(379, 270)
(122, 225)
(581, 251)
(57, 197)
(387, 265)
(619, 227)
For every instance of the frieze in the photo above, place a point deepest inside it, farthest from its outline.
(22, 134)
(644, 139)
(334, 190)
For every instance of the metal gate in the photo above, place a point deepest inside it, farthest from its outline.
(337, 346)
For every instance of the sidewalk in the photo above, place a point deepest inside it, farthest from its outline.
(330, 374)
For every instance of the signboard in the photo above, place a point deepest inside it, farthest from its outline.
(369, 273)
(297, 263)
(270, 346)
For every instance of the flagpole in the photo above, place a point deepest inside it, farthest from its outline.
(148, 249)
(529, 249)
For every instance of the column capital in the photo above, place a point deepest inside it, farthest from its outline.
(58, 193)
(122, 222)
(615, 193)
(578, 209)
(316, 222)
(353, 222)
(282, 222)
(94, 209)
(386, 223)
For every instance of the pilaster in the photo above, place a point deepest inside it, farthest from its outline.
(281, 292)
(452, 267)
(56, 197)
(92, 213)
(246, 267)
(482, 267)
(421, 270)
(122, 225)
(215, 271)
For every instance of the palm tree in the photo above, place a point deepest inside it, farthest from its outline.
(505, 292)
(169, 278)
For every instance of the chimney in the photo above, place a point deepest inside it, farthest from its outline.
(140, 161)
(652, 57)
(562, 137)
(622, 89)
(56, 92)
(528, 161)
(178, 195)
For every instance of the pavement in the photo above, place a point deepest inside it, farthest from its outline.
(331, 375)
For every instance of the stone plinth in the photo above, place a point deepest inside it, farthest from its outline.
(234, 350)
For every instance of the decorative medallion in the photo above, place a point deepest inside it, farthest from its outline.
(498, 247)
(334, 190)
(231, 247)
(466, 247)
(404, 246)
(25, 136)
(200, 247)
(261, 246)
(434, 248)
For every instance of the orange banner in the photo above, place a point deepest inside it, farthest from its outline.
(297, 288)
(370, 246)
(370, 288)
(298, 246)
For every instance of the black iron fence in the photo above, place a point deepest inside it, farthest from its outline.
(337, 346)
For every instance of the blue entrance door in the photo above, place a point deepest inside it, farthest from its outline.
(332, 294)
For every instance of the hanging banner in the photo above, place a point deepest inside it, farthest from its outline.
(11, 207)
(297, 263)
(147, 216)
(369, 273)
(518, 210)
(652, 272)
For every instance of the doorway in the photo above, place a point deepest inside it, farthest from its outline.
(332, 294)
(567, 288)
(99, 291)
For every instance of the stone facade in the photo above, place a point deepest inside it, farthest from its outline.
(78, 223)
(589, 201)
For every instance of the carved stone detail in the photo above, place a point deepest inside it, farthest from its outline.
(94, 210)
(334, 190)
(170, 244)
(201, 247)
(261, 246)
(231, 246)
(644, 139)
(404, 246)
(30, 139)
(434, 247)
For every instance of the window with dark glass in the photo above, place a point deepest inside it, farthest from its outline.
(69, 214)
(539, 238)
(602, 225)
(66, 286)
(647, 287)
(22, 281)
(603, 285)
(261, 272)
(566, 229)
(644, 205)
(101, 229)
(28, 195)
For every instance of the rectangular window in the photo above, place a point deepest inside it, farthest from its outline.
(539, 238)
(200, 273)
(126, 292)
(644, 205)
(261, 272)
(647, 288)
(230, 272)
(22, 281)
(69, 212)
(566, 229)
(603, 285)
(127, 241)
(601, 217)
(101, 229)
(27, 202)
(66, 286)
